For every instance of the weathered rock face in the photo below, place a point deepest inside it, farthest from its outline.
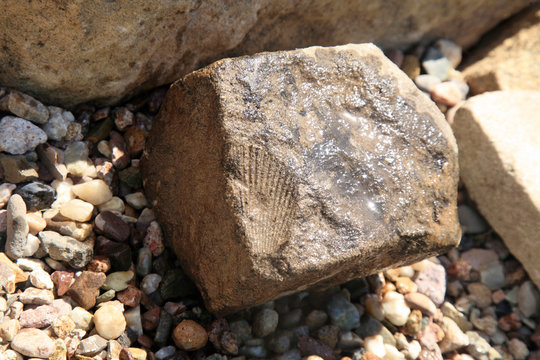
(509, 58)
(498, 134)
(66, 53)
(275, 172)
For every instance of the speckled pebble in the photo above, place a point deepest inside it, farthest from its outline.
(265, 322)
(18, 136)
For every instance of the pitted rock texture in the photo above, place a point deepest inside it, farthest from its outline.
(300, 168)
(509, 57)
(66, 53)
(498, 134)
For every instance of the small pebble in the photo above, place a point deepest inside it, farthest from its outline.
(426, 82)
(82, 318)
(33, 296)
(395, 309)
(480, 293)
(118, 281)
(150, 283)
(35, 221)
(144, 262)
(190, 336)
(421, 302)
(92, 345)
(134, 320)
(41, 279)
(33, 343)
(454, 338)
(76, 160)
(77, 210)
(518, 349)
(104, 148)
(109, 321)
(18, 136)
(315, 319)
(342, 312)
(137, 200)
(434, 63)
(375, 345)
(446, 93)
(96, 192)
(112, 226)
(59, 121)
(528, 299)
(154, 239)
(85, 288)
(63, 326)
(431, 281)
(265, 322)
(449, 50)
(405, 285)
(17, 227)
(5, 192)
(114, 204)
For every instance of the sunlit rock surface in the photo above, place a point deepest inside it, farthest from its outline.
(281, 171)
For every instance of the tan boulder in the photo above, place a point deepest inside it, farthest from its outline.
(509, 58)
(497, 135)
(69, 52)
(281, 171)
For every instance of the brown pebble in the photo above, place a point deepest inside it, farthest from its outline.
(190, 336)
(112, 226)
(405, 285)
(62, 281)
(509, 322)
(85, 289)
(309, 346)
(130, 296)
(145, 341)
(150, 319)
(120, 157)
(135, 139)
(497, 296)
(460, 269)
(101, 114)
(411, 66)
(100, 263)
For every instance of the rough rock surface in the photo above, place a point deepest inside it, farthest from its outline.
(498, 134)
(71, 53)
(301, 167)
(509, 58)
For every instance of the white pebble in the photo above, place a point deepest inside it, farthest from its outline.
(375, 344)
(63, 192)
(41, 279)
(77, 210)
(31, 264)
(32, 245)
(392, 353)
(114, 204)
(395, 309)
(96, 192)
(414, 349)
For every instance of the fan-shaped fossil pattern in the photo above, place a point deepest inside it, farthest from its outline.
(281, 171)
(266, 197)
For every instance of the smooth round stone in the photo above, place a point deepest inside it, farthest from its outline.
(137, 354)
(342, 312)
(118, 281)
(395, 309)
(406, 271)
(18, 136)
(17, 227)
(9, 328)
(137, 200)
(63, 192)
(492, 275)
(109, 321)
(527, 299)
(165, 352)
(36, 222)
(33, 343)
(190, 336)
(278, 343)
(375, 345)
(434, 63)
(41, 279)
(421, 302)
(265, 322)
(77, 210)
(112, 226)
(290, 319)
(96, 192)
(315, 319)
(114, 204)
(106, 296)
(518, 349)
(150, 283)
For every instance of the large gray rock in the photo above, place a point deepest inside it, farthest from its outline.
(70, 52)
(497, 134)
(280, 171)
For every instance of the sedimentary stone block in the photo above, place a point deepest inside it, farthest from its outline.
(498, 135)
(509, 57)
(67, 53)
(281, 171)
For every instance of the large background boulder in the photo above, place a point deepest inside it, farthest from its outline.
(298, 168)
(69, 52)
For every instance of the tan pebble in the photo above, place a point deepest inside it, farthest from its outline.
(373, 306)
(421, 265)
(405, 285)
(35, 221)
(314, 357)
(446, 93)
(77, 210)
(104, 148)
(138, 354)
(114, 204)
(109, 321)
(95, 192)
(392, 274)
(190, 336)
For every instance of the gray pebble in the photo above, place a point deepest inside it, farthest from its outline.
(278, 343)
(265, 322)
(17, 227)
(64, 248)
(163, 329)
(144, 262)
(436, 64)
(37, 196)
(165, 352)
(342, 312)
(290, 319)
(18, 136)
(426, 82)
(57, 126)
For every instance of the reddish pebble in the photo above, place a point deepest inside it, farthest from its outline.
(145, 341)
(154, 239)
(62, 281)
(85, 289)
(130, 296)
(509, 322)
(100, 263)
(460, 269)
(150, 319)
(190, 336)
(446, 93)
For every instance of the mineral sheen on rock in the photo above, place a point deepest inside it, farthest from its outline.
(283, 171)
